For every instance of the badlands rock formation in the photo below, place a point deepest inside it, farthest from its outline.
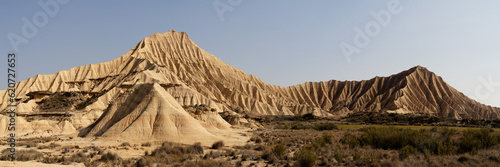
(173, 75)
(414, 91)
(147, 112)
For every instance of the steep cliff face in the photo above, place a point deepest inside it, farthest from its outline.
(171, 59)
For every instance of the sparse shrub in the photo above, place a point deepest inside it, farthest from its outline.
(368, 160)
(209, 163)
(169, 148)
(29, 145)
(328, 138)
(247, 155)
(166, 143)
(308, 116)
(279, 150)
(325, 126)
(67, 149)
(259, 147)
(268, 155)
(28, 155)
(22, 155)
(299, 125)
(282, 126)
(78, 157)
(445, 148)
(51, 160)
(218, 145)
(60, 101)
(495, 159)
(425, 141)
(54, 145)
(305, 157)
(196, 148)
(427, 153)
(258, 139)
(356, 156)
(125, 144)
(339, 156)
(406, 151)
(89, 101)
(147, 144)
(350, 140)
(142, 162)
(322, 141)
(109, 159)
(318, 143)
(215, 154)
(463, 159)
(109, 156)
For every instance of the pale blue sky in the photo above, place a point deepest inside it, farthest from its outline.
(282, 42)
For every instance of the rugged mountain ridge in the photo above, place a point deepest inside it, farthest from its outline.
(414, 91)
(200, 78)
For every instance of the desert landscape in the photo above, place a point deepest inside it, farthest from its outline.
(167, 102)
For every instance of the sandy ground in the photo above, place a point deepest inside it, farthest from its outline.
(33, 164)
(231, 137)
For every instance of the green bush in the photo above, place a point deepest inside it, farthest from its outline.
(385, 118)
(328, 138)
(473, 140)
(306, 117)
(393, 138)
(463, 159)
(445, 148)
(322, 141)
(273, 153)
(299, 125)
(282, 126)
(318, 143)
(339, 156)
(406, 151)
(350, 140)
(438, 142)
(325, 126)
(305, 157)
(279, 150)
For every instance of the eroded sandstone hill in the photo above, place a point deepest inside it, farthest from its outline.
(416, 90)
(148, 111)
(195, 78)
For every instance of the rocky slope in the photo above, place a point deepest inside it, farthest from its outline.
(193, 77)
